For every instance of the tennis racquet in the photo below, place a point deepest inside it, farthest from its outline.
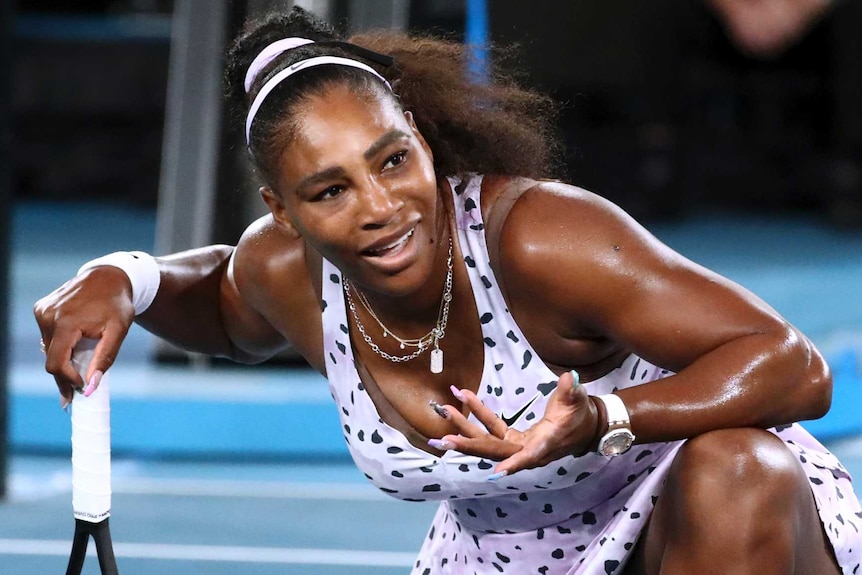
(91, 469)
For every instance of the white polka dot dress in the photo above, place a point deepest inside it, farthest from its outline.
(575, 516)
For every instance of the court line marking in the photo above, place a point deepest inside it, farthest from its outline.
(234, 554)
(253, 489)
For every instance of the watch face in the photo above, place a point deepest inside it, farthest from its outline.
(616, 443)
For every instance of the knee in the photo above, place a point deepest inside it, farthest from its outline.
(736, 461)
(737, 478)
(734, 500)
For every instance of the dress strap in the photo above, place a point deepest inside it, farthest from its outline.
(496, 217)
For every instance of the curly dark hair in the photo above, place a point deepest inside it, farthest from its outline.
(493, 125)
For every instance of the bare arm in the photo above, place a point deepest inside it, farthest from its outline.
(739, 362)
(587, 284)
(198, 307)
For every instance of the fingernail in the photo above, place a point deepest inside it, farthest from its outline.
(440, 444)
(439, 409)
(498, 475)
(94, 383)
(64, 404)
(457, 393)
(576, 378)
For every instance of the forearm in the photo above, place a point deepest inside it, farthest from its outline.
(186, 310)
(760, 380)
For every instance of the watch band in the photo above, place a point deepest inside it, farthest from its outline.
(616, 410)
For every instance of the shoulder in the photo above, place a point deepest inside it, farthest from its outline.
(266, 259)
(562, 244)
(553, 217)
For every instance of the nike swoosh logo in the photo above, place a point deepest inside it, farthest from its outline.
(513, 418)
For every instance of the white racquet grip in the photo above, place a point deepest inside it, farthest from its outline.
(91, 444)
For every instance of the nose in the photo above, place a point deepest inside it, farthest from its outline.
(378, 204)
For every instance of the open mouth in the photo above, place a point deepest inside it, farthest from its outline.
(392, 249)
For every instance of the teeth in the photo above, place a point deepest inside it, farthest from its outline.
(403, 239)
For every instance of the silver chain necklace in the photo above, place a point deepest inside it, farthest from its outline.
(434, 336)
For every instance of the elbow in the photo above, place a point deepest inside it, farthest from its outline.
(815, 382)
(819, 382)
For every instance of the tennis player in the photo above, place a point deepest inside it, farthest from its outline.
(578, 398)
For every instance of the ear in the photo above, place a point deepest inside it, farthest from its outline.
(408, 115)
(279, 212)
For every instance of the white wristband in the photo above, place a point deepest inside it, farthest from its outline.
(142, 271)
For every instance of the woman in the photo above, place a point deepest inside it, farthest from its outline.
(494, 342)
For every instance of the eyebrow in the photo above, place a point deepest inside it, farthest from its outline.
(384, 140)
(337, 171)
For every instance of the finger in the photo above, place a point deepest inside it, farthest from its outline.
(492, 422)
(570, 388)
(487, 446)
(103, 357)
(525, 458)
(464, 426)
(58, 363)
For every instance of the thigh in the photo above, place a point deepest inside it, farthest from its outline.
(810, 549)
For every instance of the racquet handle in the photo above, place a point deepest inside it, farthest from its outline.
(91, 444)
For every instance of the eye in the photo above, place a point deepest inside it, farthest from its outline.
(396, 159)
(329, 193)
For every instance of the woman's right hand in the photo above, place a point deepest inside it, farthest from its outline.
(96, 304)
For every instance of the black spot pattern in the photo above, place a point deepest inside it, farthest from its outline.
(642, 454)
(553, 497)
(546, 388)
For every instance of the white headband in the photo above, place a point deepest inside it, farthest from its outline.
(268, 54)
(293, 69)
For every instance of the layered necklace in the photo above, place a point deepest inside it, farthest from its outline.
(427, 341)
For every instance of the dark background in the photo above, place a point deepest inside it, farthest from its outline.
(662, 113)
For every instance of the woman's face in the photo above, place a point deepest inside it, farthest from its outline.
(358, 184)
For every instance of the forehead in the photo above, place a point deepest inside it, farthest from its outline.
(340, 113)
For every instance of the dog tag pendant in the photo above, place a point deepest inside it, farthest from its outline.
(436, 360)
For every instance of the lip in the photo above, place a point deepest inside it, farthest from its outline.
(393, 252)
(389, 241)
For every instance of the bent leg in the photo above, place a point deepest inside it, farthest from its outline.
(735, 501)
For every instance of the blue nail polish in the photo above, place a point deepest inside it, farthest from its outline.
(498, 475)
(576, 378)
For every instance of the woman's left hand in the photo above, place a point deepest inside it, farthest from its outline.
(568, 427)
